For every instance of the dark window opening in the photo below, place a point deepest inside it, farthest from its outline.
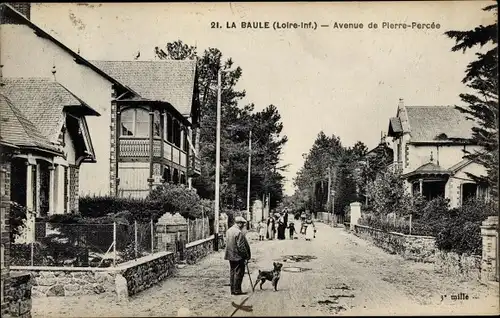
(18, 180)
(175, 179)
(166, 174)
(177, 134)
(44, 188)
(183, 178)
(433, 189)
(170, 128)
(469, 191)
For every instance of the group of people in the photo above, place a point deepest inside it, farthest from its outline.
(278, 224)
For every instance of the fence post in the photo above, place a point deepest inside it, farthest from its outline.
(188, 232)
(135, 237)
(203, 221)
(152, 238)
(114, 243)
(410, 224)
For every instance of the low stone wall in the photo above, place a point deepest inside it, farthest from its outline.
(417, 248)
(147, 271)
(18, 295)
(69, 281)
(139, 274)
(465, 267)
(198, 249)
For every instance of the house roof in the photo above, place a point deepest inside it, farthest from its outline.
(16, 129)
(8, 9)
(170, 81)
(438, 123)
(429, 168)
(43, 102)
(395, 126)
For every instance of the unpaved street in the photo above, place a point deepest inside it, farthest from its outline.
(337, 273)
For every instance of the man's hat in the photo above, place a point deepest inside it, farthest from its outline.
(240, 219)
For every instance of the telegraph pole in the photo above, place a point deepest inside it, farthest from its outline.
(249, 175)
(328, 200)
(217, 163)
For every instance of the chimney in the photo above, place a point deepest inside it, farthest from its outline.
(401, 103)
(23, 7)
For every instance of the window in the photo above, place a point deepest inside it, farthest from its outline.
(169, 129)
(186, 142)
(177, 133)
(166, 174)
(135, 122)
(175, 179)
(156, 124)
(469, 191)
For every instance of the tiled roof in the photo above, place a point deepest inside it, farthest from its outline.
(429, 168)
(395, 125)
(17, 129)
(432, 123)
(169, 81)
(42, 101)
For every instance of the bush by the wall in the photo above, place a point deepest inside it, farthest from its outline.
(461, 229)
(141, 210)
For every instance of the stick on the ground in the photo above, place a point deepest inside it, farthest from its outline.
(250, 277)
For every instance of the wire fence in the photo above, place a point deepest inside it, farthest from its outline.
(96, 245)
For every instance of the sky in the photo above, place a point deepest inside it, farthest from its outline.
(345, 82)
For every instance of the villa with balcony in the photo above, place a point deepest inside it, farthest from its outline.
(154, 125)
(148, 129)
(430, 145)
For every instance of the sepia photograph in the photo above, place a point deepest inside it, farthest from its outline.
(223, 159)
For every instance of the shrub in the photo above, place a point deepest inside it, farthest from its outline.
(141, 210)
(461, 228)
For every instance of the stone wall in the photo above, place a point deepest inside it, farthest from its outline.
(198, 249)
(139, 274)
(465, 267)
(69, 281)
(18, 295)
(147, 271)
(411, 247)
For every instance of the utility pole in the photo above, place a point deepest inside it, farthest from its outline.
(217, 164)
(249, 175)
(328, 200)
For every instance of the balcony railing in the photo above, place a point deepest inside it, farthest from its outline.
(139, 147)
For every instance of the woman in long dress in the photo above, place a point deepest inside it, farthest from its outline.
(270, 228)
(310, 229)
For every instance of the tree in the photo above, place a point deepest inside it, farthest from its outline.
(482, 105)
(236, 123)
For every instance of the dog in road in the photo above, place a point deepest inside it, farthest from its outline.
(273, 276)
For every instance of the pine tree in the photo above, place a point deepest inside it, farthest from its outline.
(482, 105)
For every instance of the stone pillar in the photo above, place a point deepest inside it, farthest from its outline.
(355, 214)
(59, 190)
(30, 208)
(51, 190)
(489, 262)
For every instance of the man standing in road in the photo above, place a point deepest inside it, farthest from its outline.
(237, 253)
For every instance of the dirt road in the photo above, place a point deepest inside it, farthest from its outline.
(336, 273)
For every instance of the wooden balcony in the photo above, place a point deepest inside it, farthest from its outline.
(139, 148)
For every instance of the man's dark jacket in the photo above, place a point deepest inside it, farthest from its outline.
(237, 247)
